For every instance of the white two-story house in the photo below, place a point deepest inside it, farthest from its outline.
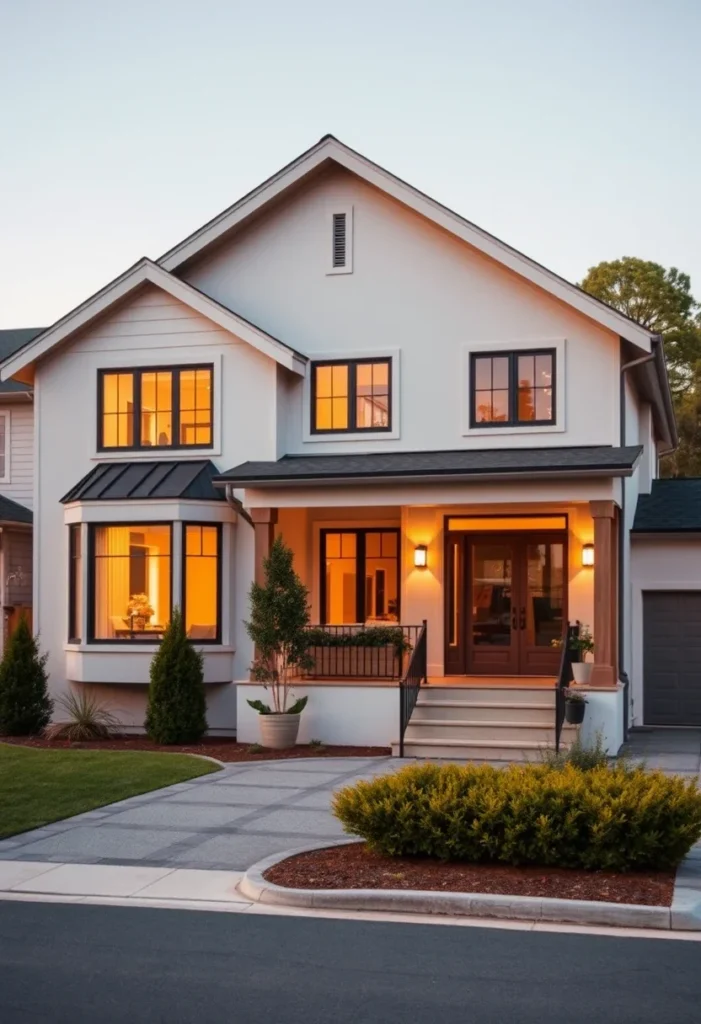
(443, 431)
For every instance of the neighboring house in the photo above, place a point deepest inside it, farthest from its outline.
(442, 430)
(16, 488)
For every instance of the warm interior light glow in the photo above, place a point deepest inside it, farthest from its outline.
(500, 524)
(420, 556)
(588, 555)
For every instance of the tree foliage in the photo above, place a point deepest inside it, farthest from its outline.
(661, 301)
(177, 706)
(278, 626)
(25, 705)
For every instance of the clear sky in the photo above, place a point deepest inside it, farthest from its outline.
(568, 128)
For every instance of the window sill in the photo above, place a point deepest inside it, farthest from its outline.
(155, 454)
(356, 436)
(141, 647)
(554, 428)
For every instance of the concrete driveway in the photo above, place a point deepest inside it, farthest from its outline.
(225, 821)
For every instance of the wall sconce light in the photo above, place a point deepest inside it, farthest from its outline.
(420, 556)
(588, 555)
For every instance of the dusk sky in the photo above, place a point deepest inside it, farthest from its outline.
(569, 130)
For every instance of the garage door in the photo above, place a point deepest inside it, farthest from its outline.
(672, 657)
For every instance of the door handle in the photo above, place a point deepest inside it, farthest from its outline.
(522, 623)
(514, 623)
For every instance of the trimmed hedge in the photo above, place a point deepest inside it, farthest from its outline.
(607, 818)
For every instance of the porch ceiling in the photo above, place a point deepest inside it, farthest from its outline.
(493, 463)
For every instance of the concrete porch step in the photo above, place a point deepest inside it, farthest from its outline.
(484, 711)
(484, 732)
(474, 750)
(490, 694)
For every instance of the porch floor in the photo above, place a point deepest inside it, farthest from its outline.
(500, 681)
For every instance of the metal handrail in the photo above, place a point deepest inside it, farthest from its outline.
(342, 655)
(564, 678)
(414, 678)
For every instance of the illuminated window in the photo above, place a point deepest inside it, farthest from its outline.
(513, 389)
(169, 407)
(131, 581)
(201, 605)
(75, 583)
(351, 396)
(360, 576)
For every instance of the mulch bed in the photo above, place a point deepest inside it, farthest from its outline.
(355, 867)
(221, 748)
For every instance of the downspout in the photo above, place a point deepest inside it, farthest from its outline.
(236, 504)
(622, 538)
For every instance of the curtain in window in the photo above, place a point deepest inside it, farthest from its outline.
(111, 579)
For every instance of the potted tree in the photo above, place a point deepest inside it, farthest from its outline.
(279, 617)
(583, 643)
(575, 706)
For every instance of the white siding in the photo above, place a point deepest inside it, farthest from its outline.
(21, 449)
(415, 289)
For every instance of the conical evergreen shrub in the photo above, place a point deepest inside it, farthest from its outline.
(25, 705)
(177, 707)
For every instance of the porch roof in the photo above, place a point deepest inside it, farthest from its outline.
(445, 465)
(12, 512)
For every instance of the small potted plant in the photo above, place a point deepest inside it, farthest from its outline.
(278, 628)
(575, 706)
(139, 611)
(583, 643)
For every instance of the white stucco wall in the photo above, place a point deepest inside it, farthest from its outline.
(151, 329)
(661, 563)
(416, 291)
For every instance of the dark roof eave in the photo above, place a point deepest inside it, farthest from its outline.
(414, 477)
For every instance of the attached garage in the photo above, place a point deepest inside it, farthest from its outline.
(672, 657)
(666, 605)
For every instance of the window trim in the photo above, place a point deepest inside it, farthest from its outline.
(217, 638)
(360, 548)
(138, 372)
(91, 590)
(352, 365)
(512, 354)
(75, 584)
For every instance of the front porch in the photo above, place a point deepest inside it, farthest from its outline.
(496, 584)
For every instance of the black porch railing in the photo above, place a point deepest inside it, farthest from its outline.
(564, 679)
(414, 678)
(371, 651)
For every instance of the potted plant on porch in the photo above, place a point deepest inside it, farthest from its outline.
(575, 706)
(279, 617)
(583, 643)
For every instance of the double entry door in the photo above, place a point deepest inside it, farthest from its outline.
(506, 602)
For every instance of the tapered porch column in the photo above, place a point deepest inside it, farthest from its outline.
(605, 670)
(264, 520)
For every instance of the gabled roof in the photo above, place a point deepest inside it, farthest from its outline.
(10, 342)
(12, 512)
(130, 481)
(143, 272)
(452, 465)
(673, 506)
(330, 150)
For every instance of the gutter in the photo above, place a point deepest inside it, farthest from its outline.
(236, 504)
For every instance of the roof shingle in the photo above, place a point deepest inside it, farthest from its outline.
(673, 506)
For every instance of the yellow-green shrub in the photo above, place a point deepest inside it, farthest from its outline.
(614, 819)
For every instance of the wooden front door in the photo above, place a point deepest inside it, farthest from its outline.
(507, 602)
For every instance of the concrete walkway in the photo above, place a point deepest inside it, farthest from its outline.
(226, 821)
(675, 751)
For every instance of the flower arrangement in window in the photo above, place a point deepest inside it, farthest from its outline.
(139, 610)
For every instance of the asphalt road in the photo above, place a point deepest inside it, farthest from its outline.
(70, 963)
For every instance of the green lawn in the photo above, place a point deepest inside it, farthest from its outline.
(39, 786)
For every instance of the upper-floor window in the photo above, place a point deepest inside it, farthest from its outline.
(513, 388)
(163, 407)
(351, 395)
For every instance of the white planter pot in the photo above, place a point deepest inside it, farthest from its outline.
(278, 731)
(581, 670)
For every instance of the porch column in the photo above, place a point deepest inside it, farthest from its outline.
(264, 520)
(605, 671)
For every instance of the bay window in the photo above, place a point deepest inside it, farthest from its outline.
(131, 581)
(202, 585)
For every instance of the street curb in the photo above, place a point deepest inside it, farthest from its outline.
(684, 914)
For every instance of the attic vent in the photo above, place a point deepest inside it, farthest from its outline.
(339, 240)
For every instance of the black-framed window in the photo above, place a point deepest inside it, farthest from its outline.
(513, 388)
(202, 581)
(351, 395)
(75, 583)
(130, 581)
(164, 407)
(359, 576)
